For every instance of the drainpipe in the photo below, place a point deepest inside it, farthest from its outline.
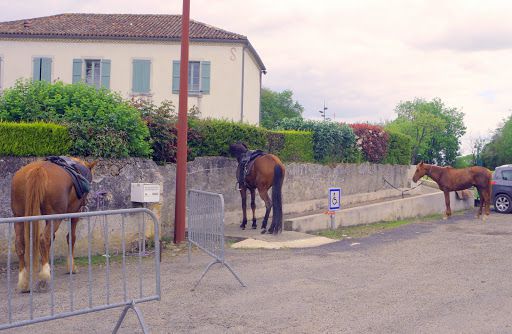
(242, 92)
(259, 106)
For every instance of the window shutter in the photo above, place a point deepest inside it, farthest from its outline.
(46, 69)
(205, 77)
(36, 69)
(141, 76)
(105, 73)
(77, 70)
(175, 76)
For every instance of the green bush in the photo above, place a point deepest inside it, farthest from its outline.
(399, 149)
(291, 145)
(161, 122)
(33, 139)
(215, 136)
(100, 122)
(464, 161)
(332, 142)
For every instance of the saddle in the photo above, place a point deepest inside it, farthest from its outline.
(245, 166)
(80, 175)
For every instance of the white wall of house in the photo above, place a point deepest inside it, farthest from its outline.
(223, 101)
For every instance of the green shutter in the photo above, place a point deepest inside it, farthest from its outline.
(46, 69)
(175, 76)
(77, 70)
(141, 76)
(205, 77)
(36, 69)
(105, 73)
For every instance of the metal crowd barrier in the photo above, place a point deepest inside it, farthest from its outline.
(114, 288)
(206, 228)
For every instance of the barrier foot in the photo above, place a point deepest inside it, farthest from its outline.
(204, 273)
(139, 317)
(234, 274)
(224, 264)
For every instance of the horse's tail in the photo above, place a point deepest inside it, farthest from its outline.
(35, 187)
(277, 202)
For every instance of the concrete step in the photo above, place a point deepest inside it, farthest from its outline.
(386, 210)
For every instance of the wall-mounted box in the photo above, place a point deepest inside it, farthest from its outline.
(145, 192)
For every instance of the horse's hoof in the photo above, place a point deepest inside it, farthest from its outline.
(254, 227)
(42, 286)
(263, 231)
(445, 217)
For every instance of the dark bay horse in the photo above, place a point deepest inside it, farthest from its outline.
(266, 172)
(454, 179)
(42, 188)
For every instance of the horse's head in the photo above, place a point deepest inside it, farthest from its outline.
(236, 150)
(421, 170)
(89, 165)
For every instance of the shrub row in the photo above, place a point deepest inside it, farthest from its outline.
(332, 142)
(213, 137)
(100, 122)
(33, 139)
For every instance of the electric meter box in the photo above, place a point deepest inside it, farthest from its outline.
(145, 192)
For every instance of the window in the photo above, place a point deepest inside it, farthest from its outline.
(507, 175)
(42, 69)
(198, 77)
(141, 76)
(94, 72)
(193, 77)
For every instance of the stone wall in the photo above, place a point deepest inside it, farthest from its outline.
(304, 189)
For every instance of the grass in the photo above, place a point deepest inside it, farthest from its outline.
(361, 231)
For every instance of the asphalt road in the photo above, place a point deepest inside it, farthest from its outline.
(438, 277)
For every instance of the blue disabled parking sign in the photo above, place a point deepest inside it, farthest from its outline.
(334, 198)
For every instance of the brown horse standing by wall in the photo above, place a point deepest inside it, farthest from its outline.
(267, 171)
(42, 188)
(452, 179)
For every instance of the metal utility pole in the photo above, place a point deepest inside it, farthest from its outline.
(181, 158)
(323, 112)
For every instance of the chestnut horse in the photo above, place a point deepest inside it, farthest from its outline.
(266, 172)
(453, 179)
(42, 188)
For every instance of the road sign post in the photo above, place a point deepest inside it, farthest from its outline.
(334, 204)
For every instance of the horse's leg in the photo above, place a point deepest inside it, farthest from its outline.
(485, 203)
(45, 246)
(268, 205)
(23, 277)
(487, 193)
(482, 200)
(71, 257)
(448, 212)
(253, 208)
(243, 193)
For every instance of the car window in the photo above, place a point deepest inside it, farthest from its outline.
(507, 175)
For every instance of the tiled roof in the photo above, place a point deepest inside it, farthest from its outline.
(113, 26)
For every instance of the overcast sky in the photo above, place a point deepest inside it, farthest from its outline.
(362, 57)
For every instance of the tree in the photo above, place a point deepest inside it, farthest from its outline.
(436, 129)
(498, 151)
(275, 106)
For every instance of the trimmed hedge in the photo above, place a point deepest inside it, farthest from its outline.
(332, 142)
(291, 145)
(100, 122)
(33, 139)
(215, 136)
(399, 149)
